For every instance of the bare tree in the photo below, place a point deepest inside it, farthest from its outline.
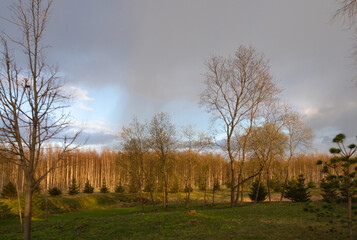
(347, 11)
(134, 143)
(194, 142)
(163, 140)
(236, 87)
(32, 101)
(299, 138)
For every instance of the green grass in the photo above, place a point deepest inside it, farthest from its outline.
(260, 221)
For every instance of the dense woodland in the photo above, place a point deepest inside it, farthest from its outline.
(116, 168)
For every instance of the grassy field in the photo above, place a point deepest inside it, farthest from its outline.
(124, 221)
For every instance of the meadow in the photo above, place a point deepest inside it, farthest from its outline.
(119, 216)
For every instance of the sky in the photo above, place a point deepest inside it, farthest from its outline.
(122, 59)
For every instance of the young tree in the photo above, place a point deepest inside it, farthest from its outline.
(297, 191)
(342, 166)
(31, 101)
(193, 142)
(162, 141)
(299, 138)
(104, 188)
(88, 188)
(235, 89)
(258, 191)
(73, 188)
(134, 140)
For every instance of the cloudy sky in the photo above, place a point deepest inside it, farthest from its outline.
(136, 58)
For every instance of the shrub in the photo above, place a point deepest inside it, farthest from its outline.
(54, 191)
(329, 187)
(9, 191)
(104, 188)
(5, 211)
(73, 189)
(296, 190)
(88, 187)
(263, 192)
(120, 189)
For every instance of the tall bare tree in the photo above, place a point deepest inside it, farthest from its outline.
(32, 101)
(193, 142)
(163, 140)
(235, 88)
(299, 138)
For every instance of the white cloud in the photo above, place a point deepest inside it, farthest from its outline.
(79, 94)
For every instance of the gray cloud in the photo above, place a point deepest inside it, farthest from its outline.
(155, 50)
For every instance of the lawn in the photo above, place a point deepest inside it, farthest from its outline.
(260, 221)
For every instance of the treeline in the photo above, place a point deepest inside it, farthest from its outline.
(116, 168)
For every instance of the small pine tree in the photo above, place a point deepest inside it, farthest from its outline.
(73, 189)
(296, 190)
(329, 187)
(54, 191)
(104, 188)
(9, 191)
(263, 191)
(88, 187)
(121, 189)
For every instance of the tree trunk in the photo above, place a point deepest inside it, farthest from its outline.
(257, 193)
(268, 185)
(188, 196)
(232, 184)
(166, 193)
(28, 209)
(241, 194)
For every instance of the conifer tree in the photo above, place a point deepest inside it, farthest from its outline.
(120, 189)
(262, 193)
(88, 187)
(104, 188)
(9, 190)
(342, 166)
(73, 188)
(297, 191)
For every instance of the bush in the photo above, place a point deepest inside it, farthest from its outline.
(263, 191)
(104, 188)
(329, 187)
(73, 189)
(296, 190)
(88, 187)
(9, 191)
(54, 191)
(5, 211)
(120, 189)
